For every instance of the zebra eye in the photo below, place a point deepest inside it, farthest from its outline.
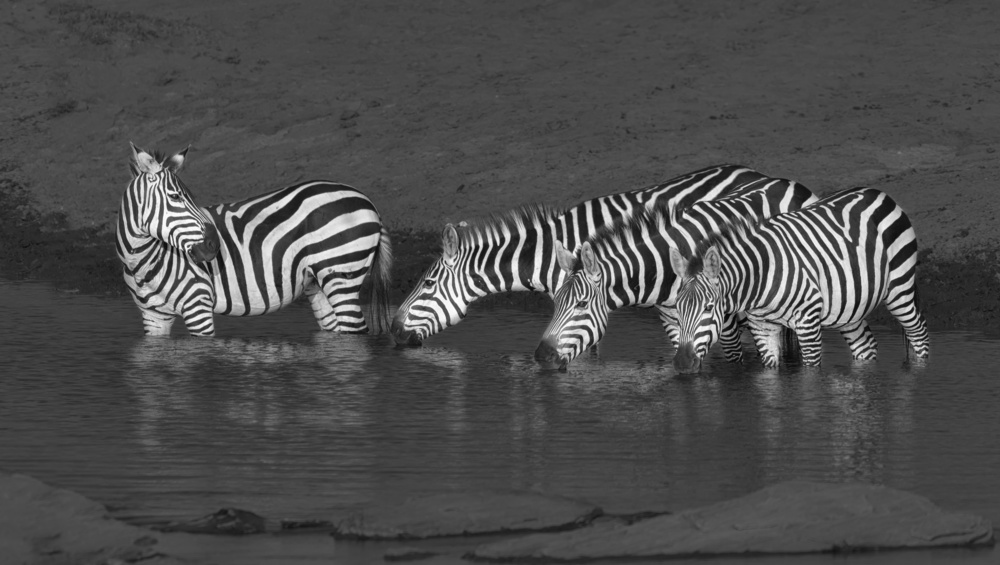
(429, 283)
(582, 304)
(709, 307)
(174, 196)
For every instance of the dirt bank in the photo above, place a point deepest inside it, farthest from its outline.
(448, 110)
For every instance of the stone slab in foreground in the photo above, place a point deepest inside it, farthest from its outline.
(43, 523)
(791, 517)
(457, 514)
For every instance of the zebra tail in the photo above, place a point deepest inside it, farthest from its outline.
(380, 276)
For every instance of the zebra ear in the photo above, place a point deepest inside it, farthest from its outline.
(678, 263)
(449, 244)
(590, 266)
(711, 264)
(144, 162)
(175, 162)
(565, 257)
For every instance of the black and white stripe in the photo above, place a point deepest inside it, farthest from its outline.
(316, 238)
(825, 266)
(625, 265)
(516, 251)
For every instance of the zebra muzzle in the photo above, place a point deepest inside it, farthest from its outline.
(685, 360)
(208, 248)
(403, 336)
(548, 357)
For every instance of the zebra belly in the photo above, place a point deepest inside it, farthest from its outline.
(850, 294)
(243, 299)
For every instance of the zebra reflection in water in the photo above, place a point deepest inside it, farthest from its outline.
(239, 384)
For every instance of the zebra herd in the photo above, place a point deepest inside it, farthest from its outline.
(715, 251)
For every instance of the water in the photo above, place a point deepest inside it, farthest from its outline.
(276, 417)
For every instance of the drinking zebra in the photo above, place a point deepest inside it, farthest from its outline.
(825, 266)
(515, 251)
(624, 265)
(316, 238)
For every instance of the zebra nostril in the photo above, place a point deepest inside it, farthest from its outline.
(403, 336)
(685, 360)
(546, 355)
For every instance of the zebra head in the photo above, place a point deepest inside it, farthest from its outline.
(699, 312)
(161, 207)
(581, 310)
(442, 297)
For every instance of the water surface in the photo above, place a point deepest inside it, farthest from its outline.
(276, 417)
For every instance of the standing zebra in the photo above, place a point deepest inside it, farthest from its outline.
(516, 251)
(623, 265)
(252, 257)
(828, 265)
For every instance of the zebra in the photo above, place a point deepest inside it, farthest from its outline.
(316, 238)
(825, 266)
(623, 265)
(515, 250)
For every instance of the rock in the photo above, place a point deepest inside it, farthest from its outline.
(467, 514)
(407, 553)
(39, 521)
(790, 517)
(227, 521)
(306, 525)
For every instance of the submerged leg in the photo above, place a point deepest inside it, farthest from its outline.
(342, 291)
(156, 323)
(810, 343)
(767, 338)
(325, 316)
(902, 304)
(861, 340)
(199, 319)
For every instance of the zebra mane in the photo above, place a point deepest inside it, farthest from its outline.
(629, 229)
(739, 228)
(514, 219)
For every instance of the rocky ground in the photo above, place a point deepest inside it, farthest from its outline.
(447, 110)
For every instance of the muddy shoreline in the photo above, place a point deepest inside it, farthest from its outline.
(959, 291)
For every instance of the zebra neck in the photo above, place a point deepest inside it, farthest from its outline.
(523, 260)
(637, 274)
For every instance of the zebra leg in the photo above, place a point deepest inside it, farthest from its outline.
(729, 337)
(902, 304)
(156, 323)
(326, 317)
(810, 342)
(767, 338)
(200, 320)
(861, 340)
(342, 291)
(668, 317)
